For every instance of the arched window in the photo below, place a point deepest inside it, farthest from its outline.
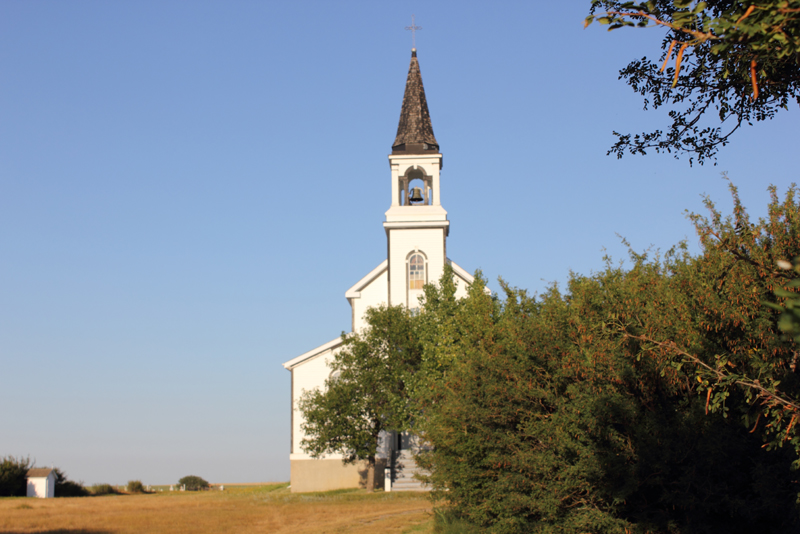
(416, 271)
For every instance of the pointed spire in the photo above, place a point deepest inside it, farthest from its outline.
(415, 132)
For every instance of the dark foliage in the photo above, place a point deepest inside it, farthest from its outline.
(655, 399)
(737, 68)
(193, 483)
(136, 486)
(13, 476)
(68, 488)
(103, 489)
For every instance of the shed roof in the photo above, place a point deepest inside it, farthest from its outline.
(39, 472)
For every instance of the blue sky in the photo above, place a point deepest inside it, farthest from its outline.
(187, 189)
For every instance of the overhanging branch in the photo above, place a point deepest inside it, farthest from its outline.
(769, 397)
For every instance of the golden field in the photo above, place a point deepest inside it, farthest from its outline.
(264, 509)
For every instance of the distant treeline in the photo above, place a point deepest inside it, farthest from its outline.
(14, 481)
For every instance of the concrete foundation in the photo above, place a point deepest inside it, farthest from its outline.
(326, 475)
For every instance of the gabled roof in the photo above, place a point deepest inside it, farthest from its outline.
(355, 291)
(460, 272)
(415, 131)
(313, 353)
(464, 275)
(39, 472)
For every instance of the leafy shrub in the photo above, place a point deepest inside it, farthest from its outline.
(136, 486)
(103, 489)
(445, 522)
(615, 407)
(13, 476)
(68, 488)
(193, 483)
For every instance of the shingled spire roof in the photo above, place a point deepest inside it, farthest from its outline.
(415, 132)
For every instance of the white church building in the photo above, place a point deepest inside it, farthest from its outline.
(416, 232)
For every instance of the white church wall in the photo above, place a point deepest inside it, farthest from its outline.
(461, 288)
(429, 241)
(306, 377)
(412, 224)
(329, 472)
(372, 295)
(463, 280)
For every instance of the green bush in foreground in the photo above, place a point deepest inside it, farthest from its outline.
(193, 483)
(656, 399)
(445, 522)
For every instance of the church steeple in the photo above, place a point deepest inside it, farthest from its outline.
(415, 131)
(416, 223)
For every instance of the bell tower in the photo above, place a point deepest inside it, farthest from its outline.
(416, 223)
(416, 232)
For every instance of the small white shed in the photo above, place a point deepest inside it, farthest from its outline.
(42, 483)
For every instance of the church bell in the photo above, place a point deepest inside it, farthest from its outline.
(416, 195)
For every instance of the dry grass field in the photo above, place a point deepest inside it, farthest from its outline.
(263, 509)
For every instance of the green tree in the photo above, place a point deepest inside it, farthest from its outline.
(136, 486)
(367, 392)
(68, 488)
(589, 411)
(103, 489)
(671, 464)
(738, 60)
(720, 330)
(13, 476)
(193, 483)
(790, 318)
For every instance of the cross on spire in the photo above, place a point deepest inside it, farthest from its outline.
(413, 29)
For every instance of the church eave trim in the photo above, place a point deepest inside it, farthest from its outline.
(313, 353)
(355, 291)
(461, 272)
(464, 275)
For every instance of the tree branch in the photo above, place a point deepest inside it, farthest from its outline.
(701, 37)
(762, 392)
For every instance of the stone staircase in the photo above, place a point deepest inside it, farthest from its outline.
(403, 473)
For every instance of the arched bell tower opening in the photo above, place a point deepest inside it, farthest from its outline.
(416, 188)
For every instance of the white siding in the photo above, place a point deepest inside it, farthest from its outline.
(42, 487)
(462, 283)
(374, 294)
(402, 242)
(420, 228)
(306, 377)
